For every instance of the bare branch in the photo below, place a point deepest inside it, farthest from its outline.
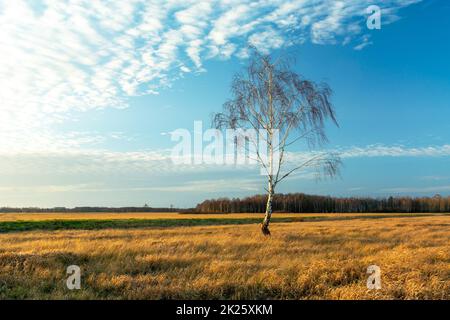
(329, 163)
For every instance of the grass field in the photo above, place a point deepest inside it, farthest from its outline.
(169, 256)
(97, 221)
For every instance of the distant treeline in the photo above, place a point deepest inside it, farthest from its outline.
(299, 202)
(292, 202)
(89, 209)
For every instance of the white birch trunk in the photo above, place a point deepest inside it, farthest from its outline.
(265, 225)
(271, 190)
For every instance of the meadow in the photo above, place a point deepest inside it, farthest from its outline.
(186, 256)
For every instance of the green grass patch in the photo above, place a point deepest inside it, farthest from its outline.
(93, 224)
(97, 224)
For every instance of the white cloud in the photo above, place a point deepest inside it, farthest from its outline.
(434, 178)
(50, 188)
(417, 190)
(266, 40)
(74, 171)
(58, 58)
(68, 160)
(365, 41)
(208, 186)
(379, 150)
(370, 151)
(211, 186)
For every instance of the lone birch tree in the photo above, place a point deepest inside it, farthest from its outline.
(269, 96)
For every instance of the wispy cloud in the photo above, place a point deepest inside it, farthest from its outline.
(417, 189)
(211, 186)
(371, 151)
(435, 178)
(379, 150)
(58, 58)
(50, 188)
(159, 162)
(204, 186)
(78, 171)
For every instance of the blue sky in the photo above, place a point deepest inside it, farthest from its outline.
(89, 92)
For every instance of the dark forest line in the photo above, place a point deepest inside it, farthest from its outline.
(292, 202)
(86, 209)
(303, 203)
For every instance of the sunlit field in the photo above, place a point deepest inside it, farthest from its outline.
(176, 215)
(305, 258)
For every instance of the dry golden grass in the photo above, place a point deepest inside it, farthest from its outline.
(165, 215)
(306, 260)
